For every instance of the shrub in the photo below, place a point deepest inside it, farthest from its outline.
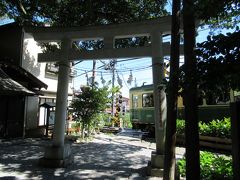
(180, 126)
(215, 128)
(75, 126)
(213, 166)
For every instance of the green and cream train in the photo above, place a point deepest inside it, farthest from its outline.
(142, 109)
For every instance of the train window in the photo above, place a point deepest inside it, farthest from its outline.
(147, 100)
(135, 101)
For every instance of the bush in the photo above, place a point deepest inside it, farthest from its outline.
(213, 166)
(215, 128)
(101, 119)
(127, 121)
(218, 128)
(76, 126)
(180, 126)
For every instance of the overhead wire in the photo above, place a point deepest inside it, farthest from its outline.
(124, 80)
(134, 64)
(129, 62)
(122, 70)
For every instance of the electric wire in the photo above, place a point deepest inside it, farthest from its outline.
(127, 69)
(124, 81)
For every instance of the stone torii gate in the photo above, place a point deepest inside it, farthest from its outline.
(59, 154)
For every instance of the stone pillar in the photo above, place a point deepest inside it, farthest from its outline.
(155, 166)
(59, 154)
(62, 96)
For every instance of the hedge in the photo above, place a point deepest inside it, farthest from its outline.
(213, 166)
(215, 128)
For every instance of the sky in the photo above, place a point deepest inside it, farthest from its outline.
(141, 70)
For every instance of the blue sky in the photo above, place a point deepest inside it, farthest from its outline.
(141, 70)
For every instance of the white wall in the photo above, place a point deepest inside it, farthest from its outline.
(30, 63)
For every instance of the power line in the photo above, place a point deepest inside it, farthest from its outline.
(124, 81)
(122, 71)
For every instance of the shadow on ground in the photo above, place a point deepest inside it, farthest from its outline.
(101, 159)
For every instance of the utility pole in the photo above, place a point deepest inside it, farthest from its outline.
(112, 65)
(93, 73)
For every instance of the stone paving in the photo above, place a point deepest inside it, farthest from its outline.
(105, 157)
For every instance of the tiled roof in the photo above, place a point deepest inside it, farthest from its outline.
(19, 74)
(14, 80)
(10, 87)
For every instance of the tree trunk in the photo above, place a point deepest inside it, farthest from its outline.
(83, 130)
(88, 129)
(79, 130)
(169, 161)
(190, 93)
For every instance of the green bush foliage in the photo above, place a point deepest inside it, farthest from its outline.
(213, 166)
(75, 125)
(88, 103)
(180, 126)
(215, 128)
(218, 128)
(127, 122)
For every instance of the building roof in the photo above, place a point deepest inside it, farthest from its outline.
(15, 80)
(10, 87)
(19, 74)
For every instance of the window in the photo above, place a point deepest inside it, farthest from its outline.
(53, 68)
(135, 101)
(147, 100)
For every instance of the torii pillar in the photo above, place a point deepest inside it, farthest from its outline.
(59, 153)
(155, 166)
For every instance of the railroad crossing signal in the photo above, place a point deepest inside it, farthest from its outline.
(120, 99)
(118, 109)
(118, 106)
(123, 110)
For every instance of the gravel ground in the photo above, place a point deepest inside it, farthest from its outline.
(122, 156)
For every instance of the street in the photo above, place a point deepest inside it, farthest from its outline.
(121, 156)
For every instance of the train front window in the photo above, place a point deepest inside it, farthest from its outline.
(135, 101)
(147, 100)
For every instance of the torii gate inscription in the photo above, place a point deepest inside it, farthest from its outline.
(59, 154)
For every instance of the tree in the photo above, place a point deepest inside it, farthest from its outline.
(81, 12)
(169, 160)
(218, 55)
(218, 14)
(218, 66)
(190, 93)
(191, 11)
(89, 103)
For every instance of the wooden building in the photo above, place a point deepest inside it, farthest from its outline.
(16, 86)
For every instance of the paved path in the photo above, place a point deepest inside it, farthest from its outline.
(106, 157)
